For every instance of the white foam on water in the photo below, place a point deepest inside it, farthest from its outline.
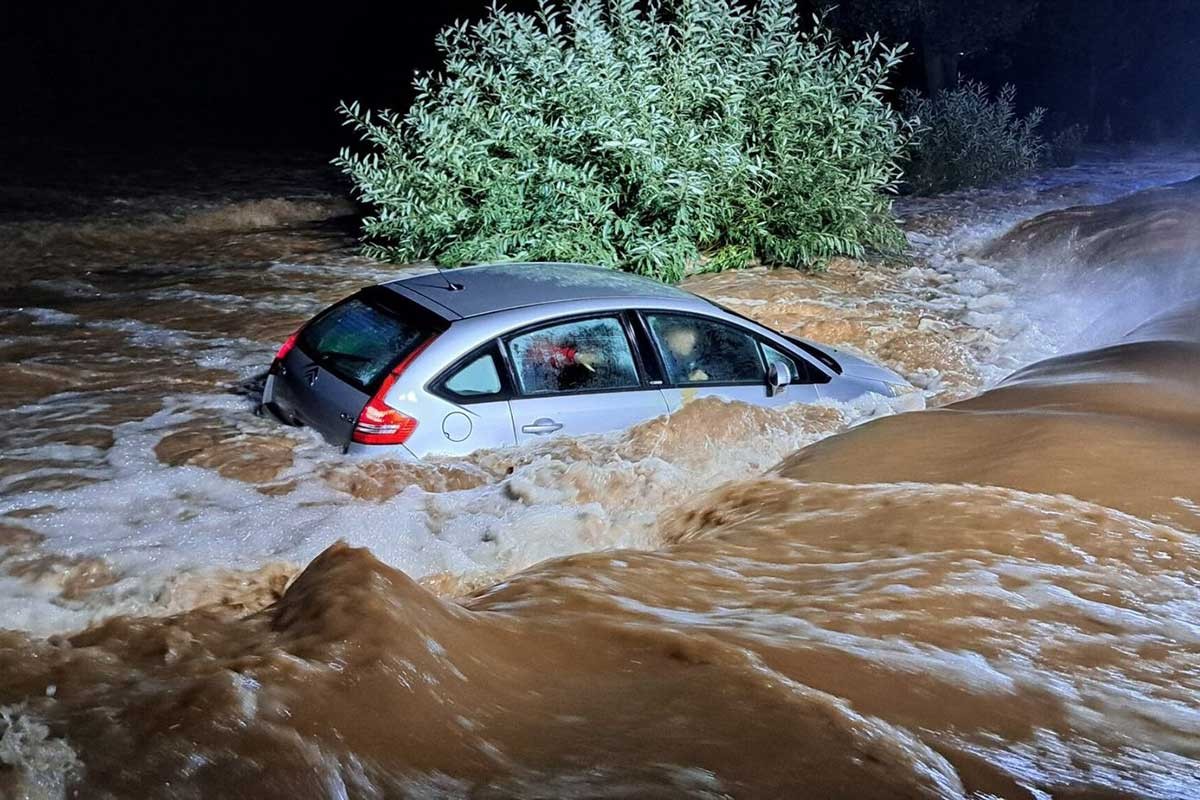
(44, 765)
(1027, 312)
(152, 521)
(48, 316)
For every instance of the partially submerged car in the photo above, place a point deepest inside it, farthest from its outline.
(494, 355)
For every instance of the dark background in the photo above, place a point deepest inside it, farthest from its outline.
(269, 74)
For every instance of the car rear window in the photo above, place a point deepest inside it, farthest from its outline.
(359, 341)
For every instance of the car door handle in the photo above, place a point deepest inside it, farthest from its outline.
(543, 425)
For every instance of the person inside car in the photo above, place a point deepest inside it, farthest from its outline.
(681, 340)
(567, 365)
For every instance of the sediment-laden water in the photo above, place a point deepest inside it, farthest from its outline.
(994, 598)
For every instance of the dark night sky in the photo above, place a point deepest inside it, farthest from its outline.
(223, 72)
(173, 73)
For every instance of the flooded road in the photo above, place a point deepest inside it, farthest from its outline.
(994, 598)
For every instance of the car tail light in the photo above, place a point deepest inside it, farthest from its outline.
(379, 423)
(287, 345)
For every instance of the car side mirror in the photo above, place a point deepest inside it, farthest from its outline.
(779, 375)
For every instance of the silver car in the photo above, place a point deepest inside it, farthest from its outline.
(495, 355)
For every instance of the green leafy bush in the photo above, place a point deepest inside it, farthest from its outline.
(1064, 146)
(688, 134)
(967, 138)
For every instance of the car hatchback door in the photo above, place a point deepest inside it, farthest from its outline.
(340, 359)
(576, 377)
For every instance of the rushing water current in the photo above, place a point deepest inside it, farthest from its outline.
(997, 597)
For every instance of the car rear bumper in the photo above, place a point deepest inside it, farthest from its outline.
(396, 452)
(274, 404)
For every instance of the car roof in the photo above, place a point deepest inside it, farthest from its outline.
(489, 288)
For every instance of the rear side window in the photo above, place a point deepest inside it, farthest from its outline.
(580, 356)
(699, 351)
(359, 341)
(479, 378)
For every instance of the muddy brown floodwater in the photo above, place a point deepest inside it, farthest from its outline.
(997, 597)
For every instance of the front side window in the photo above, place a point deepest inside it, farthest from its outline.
(696, 350)
(773, 356)
(584, 355)
(479, 378)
